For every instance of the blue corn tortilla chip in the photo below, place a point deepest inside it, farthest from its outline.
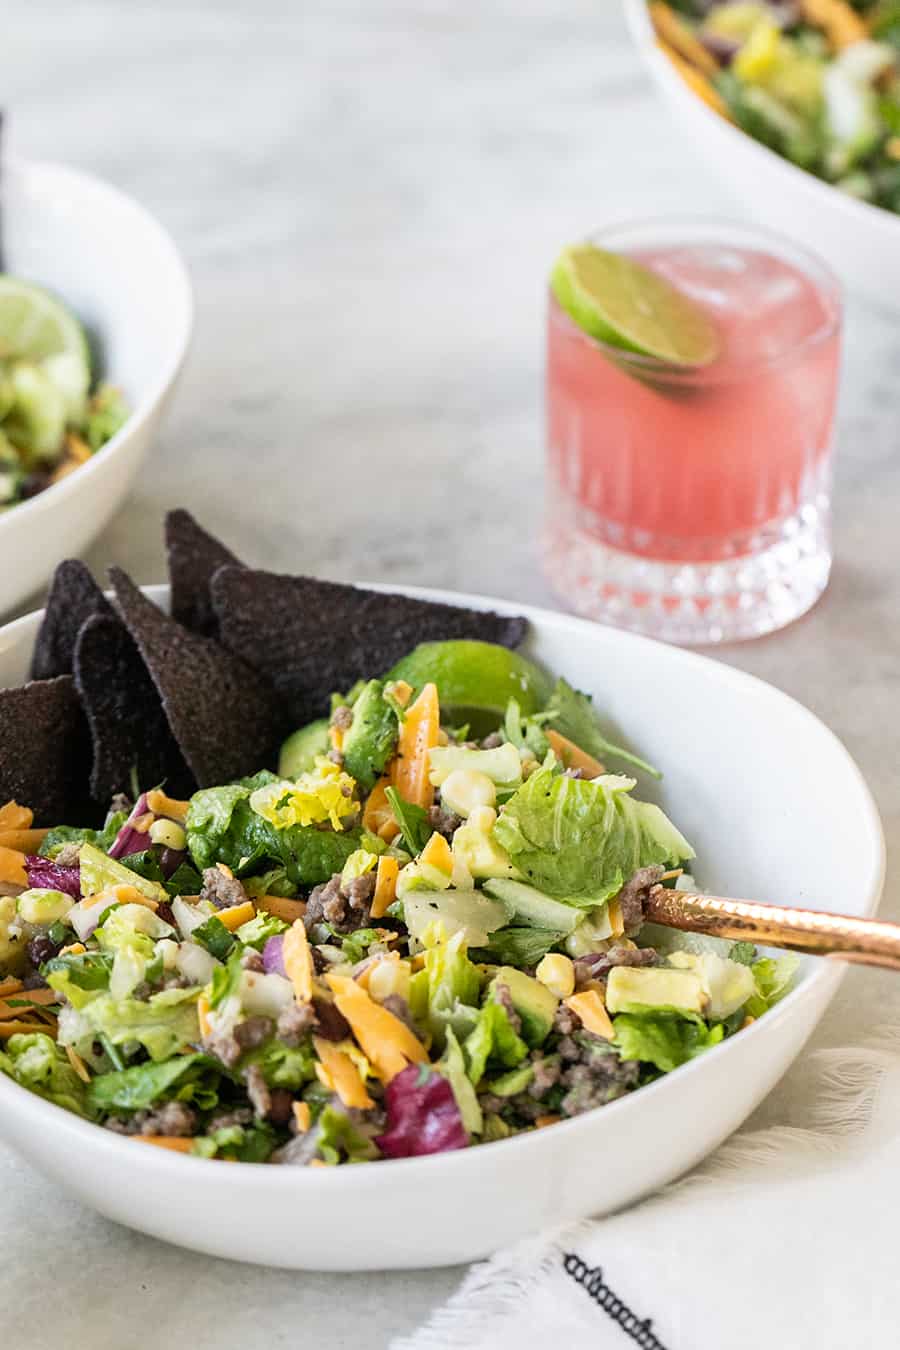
(194, 558)
(44, 752)
(311, 638)
(130, 736)
(224, 716)
(74, 597)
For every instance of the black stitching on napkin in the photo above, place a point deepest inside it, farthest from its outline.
(591, 1280)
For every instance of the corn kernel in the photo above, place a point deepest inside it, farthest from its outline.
(389, 977)
(167, 833)
(464, 790)
(558, 973)
(483, 818)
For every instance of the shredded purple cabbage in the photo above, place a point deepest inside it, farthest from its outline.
(423, 1116)
(129, 840)
(49, 876)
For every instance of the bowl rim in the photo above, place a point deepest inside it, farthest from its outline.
(641, 28)
(820, 979)
(45, 171)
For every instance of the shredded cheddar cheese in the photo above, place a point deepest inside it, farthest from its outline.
(298, 961)
(590, 1009)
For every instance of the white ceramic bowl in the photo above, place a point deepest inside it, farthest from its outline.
(107, 258)
(776, 809)
(860, 241)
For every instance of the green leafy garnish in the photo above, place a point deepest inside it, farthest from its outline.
(572, 714)
(412, 819)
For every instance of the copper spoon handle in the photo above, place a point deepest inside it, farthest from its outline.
(870, 942)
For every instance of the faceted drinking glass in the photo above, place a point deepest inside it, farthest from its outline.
(694, 504)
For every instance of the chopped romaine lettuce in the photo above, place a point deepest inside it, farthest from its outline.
(773, 977)
(165, 1024)
(493, 1039)
(187, 1078)
(581, 840)
(519, 946)
(663, 1038)
(61, 835)
(286, 1066)
(244, 1143)
(453, 1067)
(339, 1140)
(35, 1062)
(453, 983)
(257, 931)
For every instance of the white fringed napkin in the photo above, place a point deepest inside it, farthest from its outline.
(788, 1238)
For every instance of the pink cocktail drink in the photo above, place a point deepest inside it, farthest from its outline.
(694, 503)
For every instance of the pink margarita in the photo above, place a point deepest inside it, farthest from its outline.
(694, 504)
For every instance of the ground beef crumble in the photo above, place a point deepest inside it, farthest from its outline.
(597, 965)
(342, 717)
(633, 898)
(258, 1091)
(345, 908)
(504, 998)
(223, 890)
(173, 1119)
(294, 1022)
(68, 856)
(253, 1032)
(445, 822)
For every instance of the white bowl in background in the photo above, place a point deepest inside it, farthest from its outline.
(776, 809)
(121, 274)
(860, 241)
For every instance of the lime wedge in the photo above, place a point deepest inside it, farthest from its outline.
(36, 327)
(620, 302)
(475, 680)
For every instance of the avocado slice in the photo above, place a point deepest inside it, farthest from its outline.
(99, 872)
(511, 1083)
(299, 752)
(635, 989)
(533, 1001)
(530, 906)
(481, 854)
(370, 741)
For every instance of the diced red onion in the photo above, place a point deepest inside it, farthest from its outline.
(273, 956)
(724, 49)
(423, 1116)
(46, 875)
(85, 918)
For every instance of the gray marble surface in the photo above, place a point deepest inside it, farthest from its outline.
(368, 194)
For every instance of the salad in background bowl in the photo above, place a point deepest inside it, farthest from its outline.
(797, 106)
(54, 414)
(110, 276)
